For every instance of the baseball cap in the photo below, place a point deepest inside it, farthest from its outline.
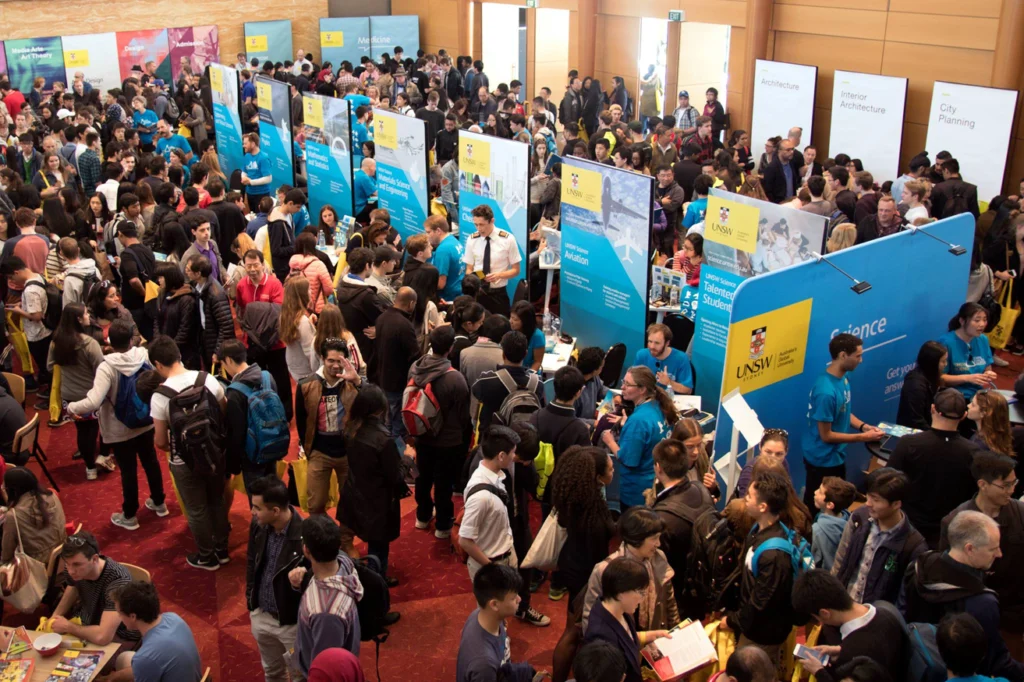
(950, 403)
(684, 93)
(65, 113)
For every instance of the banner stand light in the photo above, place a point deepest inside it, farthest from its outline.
(954, 249)
(858, 286)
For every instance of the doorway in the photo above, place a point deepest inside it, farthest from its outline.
(651, 67)
(703, 62)
(504, 50)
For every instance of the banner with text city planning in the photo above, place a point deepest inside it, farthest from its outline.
(274, 103)
(401, 169)
(95, 57)
(328, 154)
(227, 120)
(606, 251)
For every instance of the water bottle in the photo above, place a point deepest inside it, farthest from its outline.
(321, 241)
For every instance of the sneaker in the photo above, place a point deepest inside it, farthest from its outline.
(999, 362)
(538, 579)
(30, 385)
(44, 394)
(119, 519)
(390, 581)
(1018, 350)
(422, 525)
(556, 593)
(64, 419)
(208, 563)
(42, 405)
(391, 618)
(77, 455)
(532, 616)
(222, 557)
(90, 474)
(442, 534)
(106, 462)
(159, 510)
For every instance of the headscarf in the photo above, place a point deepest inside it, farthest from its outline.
(335, 665)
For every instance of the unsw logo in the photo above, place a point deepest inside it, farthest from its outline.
(757, 340)
(575, 181)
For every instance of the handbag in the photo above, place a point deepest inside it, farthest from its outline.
(25, 585)
(546, 547)
(1000, 335)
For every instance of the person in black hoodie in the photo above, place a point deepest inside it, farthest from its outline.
(920, 385)
(439, 456)
(230, 218)
(954, 581)
(446, 143)
(360, 304)
(217, 323)
(179, 313)
(280, 232)
(558, 425)
(236, 417)
(398, 348)
(491, 389)
(138, 266)
(765, 616)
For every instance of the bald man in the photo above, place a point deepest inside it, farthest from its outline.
(397, 348)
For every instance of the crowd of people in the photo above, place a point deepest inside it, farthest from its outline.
(160, 306)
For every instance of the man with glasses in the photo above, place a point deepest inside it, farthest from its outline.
(92, 579)
(997, 482)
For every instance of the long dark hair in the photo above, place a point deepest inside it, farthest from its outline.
(20, 481)
(369, 404)
(58, 222)
(466, 309)
(423, 280)
(527, 319)
(105, 215)
(67, 334)
(96, 296)
(174, 239)
(928, 362)
(575, 494)
(966, 312)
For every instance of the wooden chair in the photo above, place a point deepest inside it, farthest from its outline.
(17, 384)
(53, 563)
(206, 676)
(138, 573)
(78, 529)
(26, 439)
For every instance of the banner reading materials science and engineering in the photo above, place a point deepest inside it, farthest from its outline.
(401, 169)
(227, 121)
(273, 101)
(328, 154)
(606, 232)
(495, 172)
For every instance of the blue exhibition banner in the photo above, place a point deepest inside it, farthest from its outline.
(782, 322)
(343, 39)
(401, 169)
(328, 154)
(387, 33)
(31, 58)
(269, 40)
(227, 121)
(274, 103)
(606, 234)
(495, 172)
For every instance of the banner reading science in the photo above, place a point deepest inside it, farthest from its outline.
(606, 229)
(328, 154)
(269, 40)
(227, 121)
(138, 48)
(344, 38)
(94, 56)
(193, 46)
(495, 172)
(401, 169)
(30, 58)
(272, 99)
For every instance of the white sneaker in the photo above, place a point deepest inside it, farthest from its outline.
(119, 519)
(107, 463)
(999, 362)
(90, 474)
(422, 525)
(442, 534)
(160, 510)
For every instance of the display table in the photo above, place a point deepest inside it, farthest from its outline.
(660, 311)
(45, 666)
(557, 358)
(1016, 413)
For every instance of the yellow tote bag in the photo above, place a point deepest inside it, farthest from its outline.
(56, 404)
(299, 469)
(1000, 336)
(16, 333)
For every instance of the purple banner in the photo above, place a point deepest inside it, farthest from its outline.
(193, 46)
(3, 59)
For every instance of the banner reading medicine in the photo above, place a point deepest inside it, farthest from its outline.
(276, 129)
(227, 120)
(328, 154)
(401, 169)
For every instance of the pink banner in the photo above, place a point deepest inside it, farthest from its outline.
(195, 46)
(137, 48)
(3, 59)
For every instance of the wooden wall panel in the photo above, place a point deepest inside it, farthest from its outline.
(922, 63)
(31, 18)
(914, 136)
(975, 8)
(847, 23)
(618, 49)
(828, 54)
(934, 29)
(822, 130)
(876, 5)
(732, 12)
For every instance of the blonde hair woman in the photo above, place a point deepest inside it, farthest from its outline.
(330, 324)
(843, 237)
(212, 162)
(297, 330)
(243, 243)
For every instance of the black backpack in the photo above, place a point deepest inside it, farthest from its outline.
(375, 604)
(88, 282)
(957, 202)
(51, 316)
(196, 425)
(713, 575)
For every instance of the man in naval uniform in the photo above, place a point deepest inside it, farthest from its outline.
(492, 255)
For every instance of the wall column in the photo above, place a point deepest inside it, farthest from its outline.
(464, 21)
(1008, 73)
(587, 16)
(759, 18)
(672, 67)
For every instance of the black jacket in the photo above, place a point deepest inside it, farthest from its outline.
(396, 341)
(881, 640)
(282, 245)
(943, 193)
(679, 507)
(774, 181)
(489, 390)
(685, 172)
(179, 319)
(559, 426)
(452, 394)
(370, 503)
(868, 229)
(236, 417)
(257, 561)
(571, 108)
(766, 611)
(360, 306)
(916, 401)
(232, 223)
(603, 626)
(220, 326)
(446, 145)
(885, 574)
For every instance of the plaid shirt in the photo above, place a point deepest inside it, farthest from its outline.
(686, 117)
(344, 79)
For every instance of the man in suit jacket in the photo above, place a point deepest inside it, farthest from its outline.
(952, 185)
(782, 178)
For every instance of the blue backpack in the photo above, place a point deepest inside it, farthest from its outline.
(268, 436)
(793, 544)
(924, 662)
(129, 408)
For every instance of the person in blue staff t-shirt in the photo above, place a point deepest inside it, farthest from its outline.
(167, 141)
(829, 417)
(447, 258)
(144, 121)
(364, 186)
(360, 133)
(256, 171)
(671, 366)
(969, 355)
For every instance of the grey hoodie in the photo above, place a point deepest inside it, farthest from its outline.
(103, 394)
(84, 268)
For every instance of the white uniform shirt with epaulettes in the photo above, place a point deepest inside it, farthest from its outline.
(504, 253)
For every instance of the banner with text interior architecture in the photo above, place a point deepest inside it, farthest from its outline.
(401, 157)
(783, 99)
(867, 121)
(227, 119)
(95, 57)
(274, 103)
(328, 154)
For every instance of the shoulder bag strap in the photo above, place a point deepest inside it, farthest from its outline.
(17, 528)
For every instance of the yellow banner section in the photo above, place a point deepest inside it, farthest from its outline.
(385, 131)
(256, 43)
(76, 58)
(263, 97)
(216, 80)
(582, 188)
(475, 156)
(767, 348)
(332, 39)
(731, 223)
(313, 110)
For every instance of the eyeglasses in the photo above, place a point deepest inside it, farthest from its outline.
(1009, 486)
(80, 541)
(629, 385)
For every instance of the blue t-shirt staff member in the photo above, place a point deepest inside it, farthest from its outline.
(651, 422)
(448, 254)
(256, 171)
(829, 417)
(969, 355)
(671, 366)
(493, 255)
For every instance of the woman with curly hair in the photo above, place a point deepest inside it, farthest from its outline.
(991, 413)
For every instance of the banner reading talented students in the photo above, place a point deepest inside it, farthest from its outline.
(328, 154)
(273, 99)
(401, 169)
(269, 40)
(606, 233)
(495, 172)
(227, 121)
(31, 58)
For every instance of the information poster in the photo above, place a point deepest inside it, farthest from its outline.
(606, 251)
(273, 100)
(139, 48)
(867, 121)
(387, 33)
(193, 46)
(344, 38)
(227, 120)
(328, 154)
(495, 172)
(269, 40)
(401, 169)
(973, 124)
(29, 58)
(783, 99)
(95, 57)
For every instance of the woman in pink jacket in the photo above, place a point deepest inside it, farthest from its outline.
(306, 262)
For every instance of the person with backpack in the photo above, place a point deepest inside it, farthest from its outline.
(940, 583)
(558, 429)
(188, 416)
(80, 275)
(137, 269)
(766, 615)
(397, 349)
(441, 449)
(954, 195)
(40, 310)
(510, 392)
(215, 317)
(178, 316)
(78, 356)
(124, 423)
